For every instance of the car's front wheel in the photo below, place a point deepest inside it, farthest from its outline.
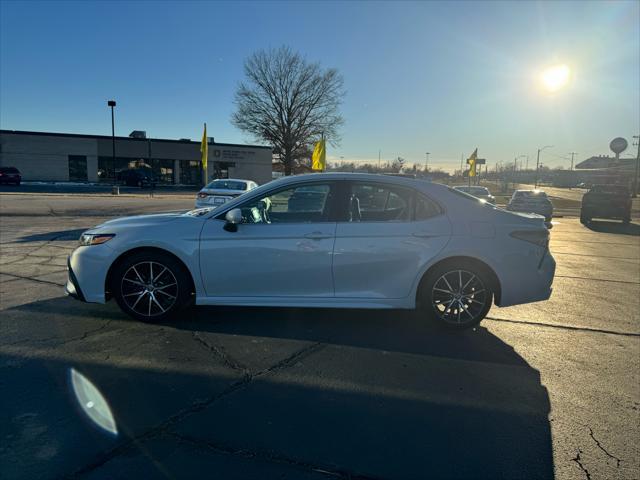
(457, 296)
(150, 286)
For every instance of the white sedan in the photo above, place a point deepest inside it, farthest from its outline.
(220, 191)
(482, 193)
(322, 240)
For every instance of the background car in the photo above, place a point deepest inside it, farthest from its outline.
(220, 191)
(10, 175)
(606, 201)
(531, 201)
(482, 193)
(136, 177)
(322, 240)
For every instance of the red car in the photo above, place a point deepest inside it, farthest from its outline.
(10, 175)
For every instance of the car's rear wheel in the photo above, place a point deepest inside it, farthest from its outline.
(150, 286)
(458, 296)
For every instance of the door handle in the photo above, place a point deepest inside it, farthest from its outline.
(317, 236)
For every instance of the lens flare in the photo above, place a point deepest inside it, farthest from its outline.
(556, 77)
(93, 404)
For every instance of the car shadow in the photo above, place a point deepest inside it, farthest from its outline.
(60, 235)
(614, 227)
(387, 396)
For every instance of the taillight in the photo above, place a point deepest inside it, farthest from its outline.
(537, 237)
(202, 195)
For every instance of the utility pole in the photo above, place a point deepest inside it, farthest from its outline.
(426, 165)
(538, 163)
(573, 154)
(379, 153)
(461, 159)
(635, 177)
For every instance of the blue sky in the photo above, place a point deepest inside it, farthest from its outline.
(420, 76)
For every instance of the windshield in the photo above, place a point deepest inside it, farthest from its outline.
(227, 185)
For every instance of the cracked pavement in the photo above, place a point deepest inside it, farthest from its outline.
(546, 390)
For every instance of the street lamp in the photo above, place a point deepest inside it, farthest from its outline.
(426, 166)
(538, 162)
(112, 104)
(515, 168)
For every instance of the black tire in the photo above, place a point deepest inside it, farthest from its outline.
(132, 277)
(475, 305)
(140, 184)
(584, 218)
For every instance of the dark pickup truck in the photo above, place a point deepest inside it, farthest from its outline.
(606, 201)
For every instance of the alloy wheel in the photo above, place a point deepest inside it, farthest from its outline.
(459, 297)
(149, 288)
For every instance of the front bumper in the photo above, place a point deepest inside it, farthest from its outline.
(72, 288)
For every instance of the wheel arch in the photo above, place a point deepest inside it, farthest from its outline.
(457, 260)
(160, 251)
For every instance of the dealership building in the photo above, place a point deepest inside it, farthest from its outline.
(68, 157)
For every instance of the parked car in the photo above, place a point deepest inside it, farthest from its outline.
(531, 201)
(220, 191)
(10, 175)
(482, 193)
(416, 244)
(136, 177)
(606, 201)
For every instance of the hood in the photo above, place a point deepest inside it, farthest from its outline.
(142, 220)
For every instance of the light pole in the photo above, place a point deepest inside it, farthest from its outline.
(112, 104)
(538, 163)
(637, 169)
(515, 168)
(426, 166)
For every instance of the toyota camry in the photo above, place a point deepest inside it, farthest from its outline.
(322, 240)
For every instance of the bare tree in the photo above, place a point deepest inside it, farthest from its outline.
(289, 103)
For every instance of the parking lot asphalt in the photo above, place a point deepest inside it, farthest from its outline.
(545, 390)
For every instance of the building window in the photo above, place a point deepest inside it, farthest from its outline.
(190, 172)
(161, 169)
(77, 168)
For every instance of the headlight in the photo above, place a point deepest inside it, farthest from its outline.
(95, 239)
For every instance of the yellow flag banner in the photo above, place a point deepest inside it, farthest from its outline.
(472, 163)
(204, 150)
(319, 157)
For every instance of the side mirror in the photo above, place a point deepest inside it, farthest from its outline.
(233, 218)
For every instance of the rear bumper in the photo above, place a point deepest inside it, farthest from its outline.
(533, 287)
(606, 212)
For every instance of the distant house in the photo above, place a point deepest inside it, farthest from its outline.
(601, 162)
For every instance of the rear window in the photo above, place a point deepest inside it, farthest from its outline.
(529, 194)
(479, 191)
(611, 189)
(9, 170)
(227, 185)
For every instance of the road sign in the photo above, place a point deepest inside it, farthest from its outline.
(618, 145)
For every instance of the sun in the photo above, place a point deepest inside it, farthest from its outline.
(556, 77)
